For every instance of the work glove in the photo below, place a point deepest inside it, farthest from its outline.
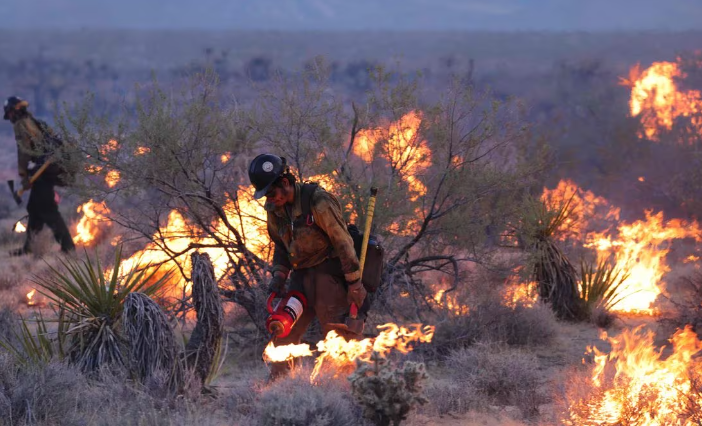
(277, 283)
(25, 183)
(356, 293)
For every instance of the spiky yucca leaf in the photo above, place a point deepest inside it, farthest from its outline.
(602, 286)
(91, 304)
(31, 348)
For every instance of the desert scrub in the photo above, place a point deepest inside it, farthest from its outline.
(506, 376)
(294, 401)
(388, 394)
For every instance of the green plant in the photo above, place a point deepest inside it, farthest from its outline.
(602, 286)
(90, 305)
(554, 273)
(388, 394)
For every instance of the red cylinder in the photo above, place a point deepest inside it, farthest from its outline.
(283, 317)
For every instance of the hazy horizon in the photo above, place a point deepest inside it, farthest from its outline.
(362, 15)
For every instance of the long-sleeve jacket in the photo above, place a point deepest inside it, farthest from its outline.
(303, 242)
(30, 143)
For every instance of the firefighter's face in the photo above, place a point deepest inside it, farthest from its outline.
(279, 195)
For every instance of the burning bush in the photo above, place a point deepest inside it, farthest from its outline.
(448, 164)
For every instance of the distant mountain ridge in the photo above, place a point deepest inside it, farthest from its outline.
(556, 15)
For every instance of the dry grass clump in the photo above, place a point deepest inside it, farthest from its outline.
(503, 375)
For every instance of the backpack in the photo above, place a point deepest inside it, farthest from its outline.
(61, 170)
(373, 267)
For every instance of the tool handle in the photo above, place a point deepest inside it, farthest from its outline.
(269, 302)
(367, 228)
(35, 176)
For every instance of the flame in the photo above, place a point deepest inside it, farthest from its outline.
(225, 157)
(408, 155)
(19, 227)
(641, 247)
(30, 295)
(142, 150)
(88, 228)
(450, 303)
(340, 352)
(641, 375)
(656, 98)
(525, 294)
(112, 178)
(583, 205)
(177, 235)
(286, 352)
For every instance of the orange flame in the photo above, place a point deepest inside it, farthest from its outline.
(525, 294)
(450, 303)
(178, 235)
(109, 147)
(142, 150)
(641, 373)
(30, 295)
(340, 352)
(641, 247)
(89, 226)
(225, 157)
(655, 97)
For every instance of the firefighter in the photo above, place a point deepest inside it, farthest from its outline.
(34, 145)
(314, 250)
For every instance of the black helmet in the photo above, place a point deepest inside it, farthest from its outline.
(264, 171)
(13, 103)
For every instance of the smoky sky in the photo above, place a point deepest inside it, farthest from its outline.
(500, 15)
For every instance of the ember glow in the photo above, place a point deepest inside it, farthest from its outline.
(338, 352)
(658, 101)
(635, 384)
(90, 225)
(112, 178)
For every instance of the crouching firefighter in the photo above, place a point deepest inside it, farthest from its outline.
(38, 144)
(313, 248)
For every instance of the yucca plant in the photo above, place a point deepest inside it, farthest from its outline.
(91, 305)
(602, 286)
(553, 272)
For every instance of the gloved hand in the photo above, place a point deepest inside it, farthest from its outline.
(277, 283)
(25, 183)
(356, 293)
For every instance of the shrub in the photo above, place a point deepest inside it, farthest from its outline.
(294, 401)
(507, 376)
(490, 319)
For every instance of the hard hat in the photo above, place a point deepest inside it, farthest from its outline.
(13, 103)
(264, 170)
